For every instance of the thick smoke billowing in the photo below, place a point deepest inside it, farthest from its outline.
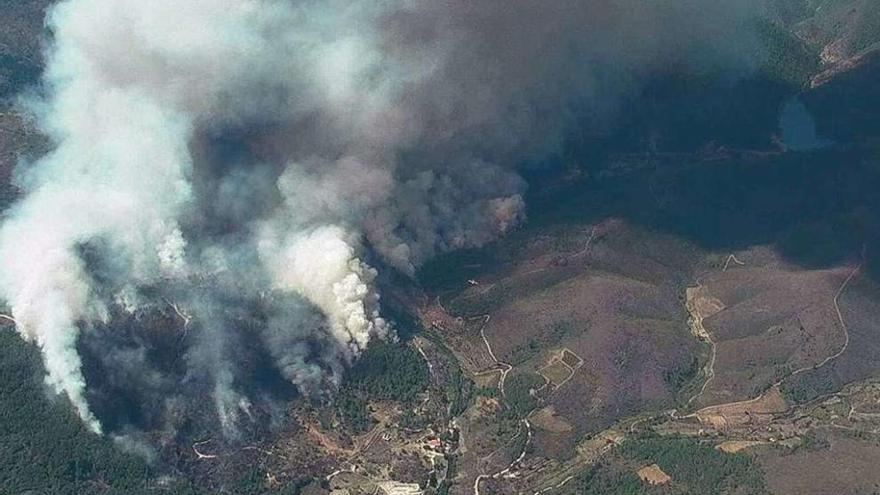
(235, 158)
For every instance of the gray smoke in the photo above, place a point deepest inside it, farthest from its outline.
(235, 157)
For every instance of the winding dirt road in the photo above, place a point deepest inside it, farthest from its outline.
(798, 371)
(505, 368)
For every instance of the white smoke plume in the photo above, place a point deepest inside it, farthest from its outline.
(321, 266)
(263, 150)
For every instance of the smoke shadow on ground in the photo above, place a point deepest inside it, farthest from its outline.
(847, 108)
(818, 207)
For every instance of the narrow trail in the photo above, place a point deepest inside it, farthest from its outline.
(477, 483)
(505, 369)
(587, 244)
(332, 475)
(730, 258)
(522, 454)
(710, 372)
(200, 455)
(9, 319)
(368, 440)
(425, 357)
(701, 333)
(556, 486)
(840, 319)
(798, 371)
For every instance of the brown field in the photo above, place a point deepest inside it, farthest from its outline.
(777, 322)
(616, 294)
(834, 464)
(546, 419)
(487, 378)
(632, 330)
(614, 309)
(625, 304)
(701, 304)
(627, 325)
(860, 309)
(767, 319)
(734, 446)
(759, 410)
(653, 475)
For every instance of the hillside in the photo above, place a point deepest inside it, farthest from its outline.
(691, 305)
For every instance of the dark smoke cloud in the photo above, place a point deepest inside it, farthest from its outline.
(237, 158)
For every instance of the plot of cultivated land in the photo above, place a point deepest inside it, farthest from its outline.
(571, 359)
(395, 488)
(487, 379)
(653, 475)
(759, 410)
(556, 372)
(561, 367)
